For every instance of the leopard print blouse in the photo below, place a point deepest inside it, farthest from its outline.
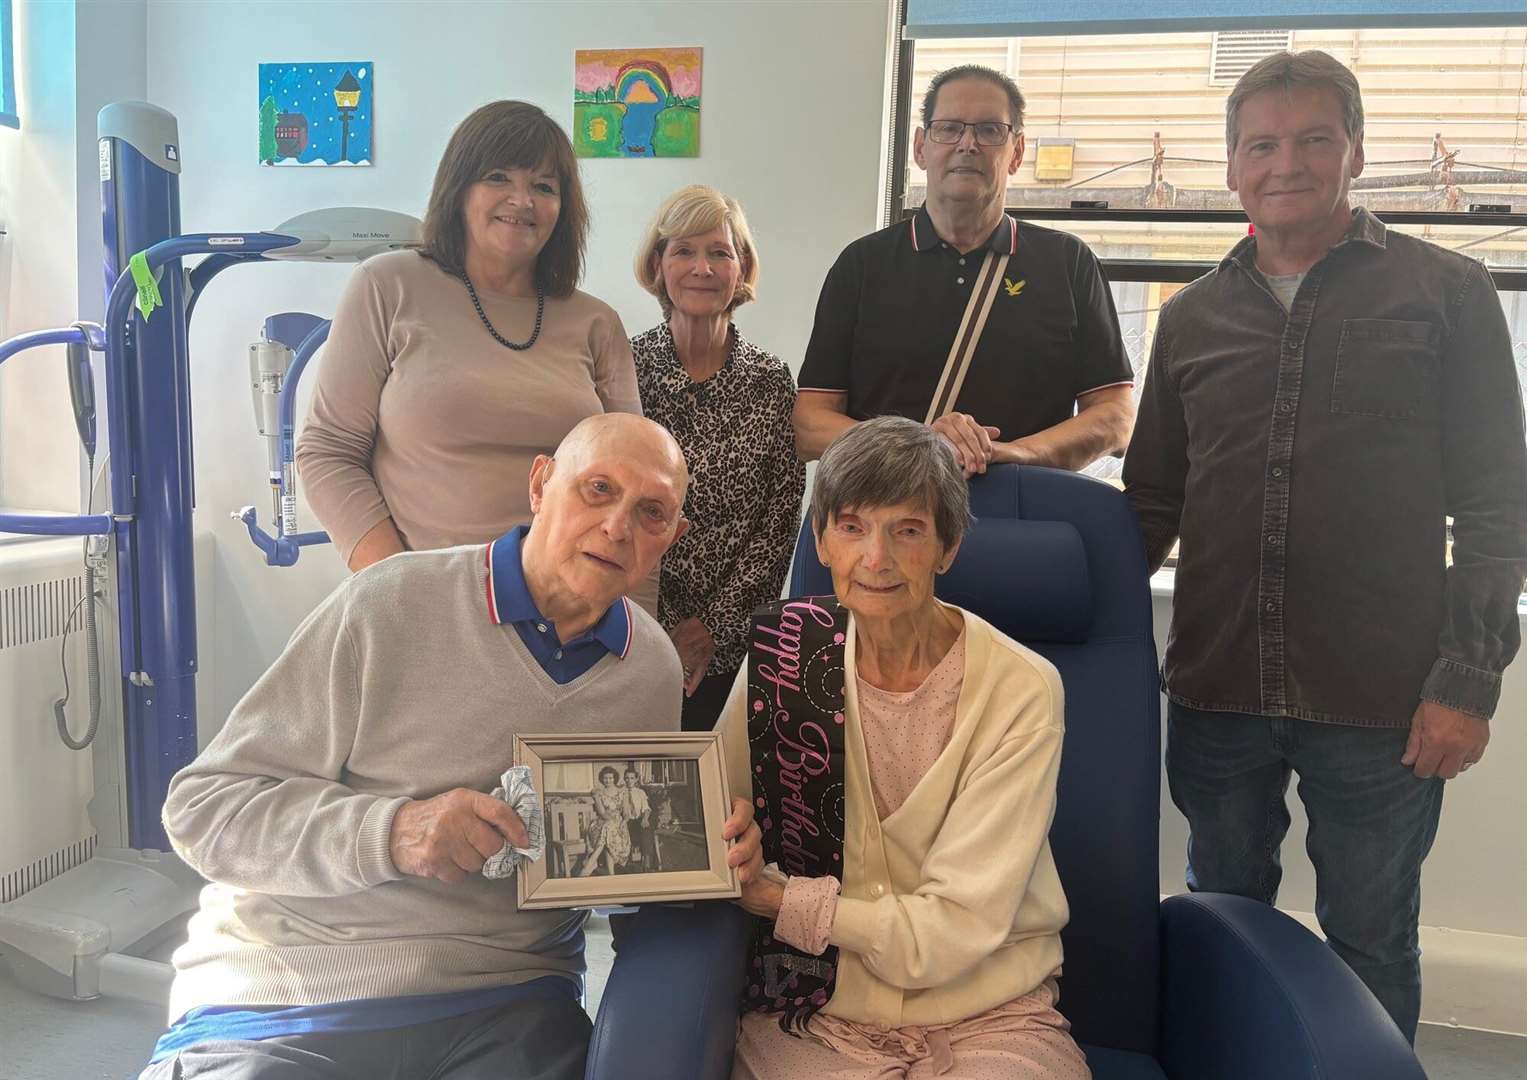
(745, 486)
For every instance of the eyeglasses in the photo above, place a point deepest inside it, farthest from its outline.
(988, 132)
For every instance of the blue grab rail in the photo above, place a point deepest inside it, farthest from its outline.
(113, 341)
(55, 524)
(95, 338)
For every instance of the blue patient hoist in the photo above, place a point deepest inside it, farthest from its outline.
(66, 937)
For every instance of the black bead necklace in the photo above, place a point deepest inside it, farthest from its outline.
(505, 342)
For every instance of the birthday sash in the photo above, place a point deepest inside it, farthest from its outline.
(796, 651)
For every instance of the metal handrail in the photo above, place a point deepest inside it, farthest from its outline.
(95, 338)
(56, 524)
(119, 319)
(92, 337)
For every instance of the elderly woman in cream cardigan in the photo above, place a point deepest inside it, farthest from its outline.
(902, 754)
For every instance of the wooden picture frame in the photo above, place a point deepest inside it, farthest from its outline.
(608, 846)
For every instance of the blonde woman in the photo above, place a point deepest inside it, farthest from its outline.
(728, 403)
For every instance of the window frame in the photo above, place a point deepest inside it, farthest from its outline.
(1507, 279)
(1165, 271)
(10, 113)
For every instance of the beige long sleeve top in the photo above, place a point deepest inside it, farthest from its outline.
(951, 905)
(418, 414)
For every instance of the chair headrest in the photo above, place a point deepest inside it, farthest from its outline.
(1027, 578)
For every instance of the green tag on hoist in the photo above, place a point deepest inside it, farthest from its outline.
(148, 288)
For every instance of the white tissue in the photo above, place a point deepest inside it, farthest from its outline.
(515, 789)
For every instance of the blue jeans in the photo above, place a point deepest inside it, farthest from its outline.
(1372, 822)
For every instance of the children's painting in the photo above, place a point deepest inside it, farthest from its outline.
(316, 114)
(636, 103)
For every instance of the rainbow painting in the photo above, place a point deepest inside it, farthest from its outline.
(636, 103)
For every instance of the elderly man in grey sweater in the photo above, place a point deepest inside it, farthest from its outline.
(342, 816)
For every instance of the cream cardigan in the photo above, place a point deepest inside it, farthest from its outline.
(952, 905)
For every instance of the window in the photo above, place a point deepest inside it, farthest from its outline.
(1446, 129)
(1444, 110)
(1140, 118)
(8, 116)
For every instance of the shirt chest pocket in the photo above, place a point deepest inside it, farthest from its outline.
(1387, 368)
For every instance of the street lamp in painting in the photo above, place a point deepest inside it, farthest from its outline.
(347, 96)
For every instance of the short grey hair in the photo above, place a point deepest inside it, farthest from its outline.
(1286, 70)
(1015, 102)
(891, 460)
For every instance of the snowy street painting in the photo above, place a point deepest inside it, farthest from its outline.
(316, 113)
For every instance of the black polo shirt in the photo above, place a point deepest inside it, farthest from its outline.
(893, 301)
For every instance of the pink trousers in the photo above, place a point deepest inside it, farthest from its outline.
(1023, 1039)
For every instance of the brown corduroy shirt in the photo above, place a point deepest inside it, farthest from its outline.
(1309, 459)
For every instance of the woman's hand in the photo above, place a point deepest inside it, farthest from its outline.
(762, 896)
(695, 647)
(747, 853)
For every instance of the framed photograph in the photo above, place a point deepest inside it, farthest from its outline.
(630, 819)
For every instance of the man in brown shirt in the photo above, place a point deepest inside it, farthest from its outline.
(1315, 409)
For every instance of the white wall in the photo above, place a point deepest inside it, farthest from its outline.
(38, 455)
(790, 125)
(71, 59)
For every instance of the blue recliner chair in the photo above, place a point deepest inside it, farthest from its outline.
(1198, 987)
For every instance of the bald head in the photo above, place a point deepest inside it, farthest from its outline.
(606, 506)
(629, 435)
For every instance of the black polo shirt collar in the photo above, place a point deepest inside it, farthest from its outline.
(1003, 239)
(889, 313)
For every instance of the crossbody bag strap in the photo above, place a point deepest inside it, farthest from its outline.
(988, 279)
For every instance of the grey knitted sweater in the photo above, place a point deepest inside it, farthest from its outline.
(398, 686)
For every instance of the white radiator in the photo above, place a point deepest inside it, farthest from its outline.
(44, 785)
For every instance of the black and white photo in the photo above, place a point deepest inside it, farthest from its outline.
(612, 816)
(630, 817)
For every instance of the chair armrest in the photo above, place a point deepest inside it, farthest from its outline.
(1248, 992)
(670, 1007)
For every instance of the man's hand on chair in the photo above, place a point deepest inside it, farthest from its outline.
(452, 835)
(968, 438)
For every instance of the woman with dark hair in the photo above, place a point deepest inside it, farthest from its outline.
(609, 838)
(450, 368)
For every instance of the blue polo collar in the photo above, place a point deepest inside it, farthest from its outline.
(509, 599)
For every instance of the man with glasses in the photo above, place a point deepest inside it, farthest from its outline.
(342, 814)
(1032, 369)
(1316, 408)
